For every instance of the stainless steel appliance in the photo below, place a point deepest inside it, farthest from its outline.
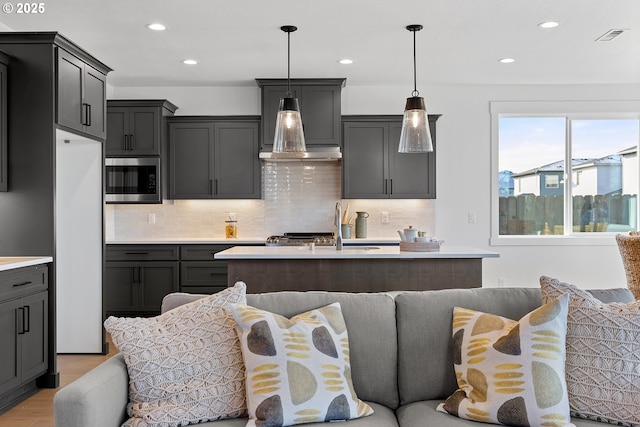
(133, 180)
(301, 239)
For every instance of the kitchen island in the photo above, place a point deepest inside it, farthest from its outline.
(353, 269)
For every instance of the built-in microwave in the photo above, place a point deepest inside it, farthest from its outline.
(133, 180)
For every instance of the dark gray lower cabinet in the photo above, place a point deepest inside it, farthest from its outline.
(4, 59)
(137, 287)
(372, 168)
(23, 332)
(137, 277)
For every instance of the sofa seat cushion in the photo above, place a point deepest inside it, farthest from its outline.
(381, 417)
(423, 413)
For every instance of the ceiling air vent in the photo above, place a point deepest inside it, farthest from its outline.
(610, 35)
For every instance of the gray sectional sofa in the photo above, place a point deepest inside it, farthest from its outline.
(400, 347)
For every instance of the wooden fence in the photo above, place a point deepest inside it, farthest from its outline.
(531, 214)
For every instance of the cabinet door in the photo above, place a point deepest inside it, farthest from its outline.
(4, 176)
(10, 364)
(144, 131)
(70, 76)
(191, 160)
(35, 337)
(117, 143)
(119, 290)
(270, 101)
(236, 163)
(157, 280)
(365, 165)
(94, 98)
(412, 176)
(320, 109)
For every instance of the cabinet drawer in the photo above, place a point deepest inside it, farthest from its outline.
(23, 281)
(201, 252)
(142, 253)
(203, 273)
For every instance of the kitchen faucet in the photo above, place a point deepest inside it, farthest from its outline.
(337, 221)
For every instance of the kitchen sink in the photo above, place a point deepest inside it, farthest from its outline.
(364, 248)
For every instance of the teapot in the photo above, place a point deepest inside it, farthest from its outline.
(409, 234)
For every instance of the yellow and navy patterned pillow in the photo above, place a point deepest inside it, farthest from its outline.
(510, 372)
(298, 369)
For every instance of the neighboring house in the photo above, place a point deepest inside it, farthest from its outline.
(590, 177)
(629, 170)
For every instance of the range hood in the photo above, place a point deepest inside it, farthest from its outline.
(313, 154)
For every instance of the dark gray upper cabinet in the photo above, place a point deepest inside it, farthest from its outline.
(372, 168)
(81, 94)
(320, 108)
(4, 60)
(214, 158)
(137, 127)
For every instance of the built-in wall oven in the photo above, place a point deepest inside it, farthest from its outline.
(133, 180)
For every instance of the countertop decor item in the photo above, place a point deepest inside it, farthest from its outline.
(415, 136)
(289, 136)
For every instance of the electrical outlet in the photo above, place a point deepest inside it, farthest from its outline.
(384, 217)
(152, 218)
(472, 218)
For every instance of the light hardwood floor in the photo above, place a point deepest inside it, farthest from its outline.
(37, 411)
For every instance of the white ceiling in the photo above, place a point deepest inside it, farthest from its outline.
(236, 41)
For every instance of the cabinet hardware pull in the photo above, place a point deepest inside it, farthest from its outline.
(136, 253)
(22, 284)
(216, 187)
(386, 182)
(88, 114)
(132, 138)
(20, 320)
(26, 319)
(126, 142)
(391, 186)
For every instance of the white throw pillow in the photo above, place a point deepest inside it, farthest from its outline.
(603, 355)
(185, 366)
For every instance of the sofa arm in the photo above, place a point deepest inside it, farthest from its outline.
(99, 398)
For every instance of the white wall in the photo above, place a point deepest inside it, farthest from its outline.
(463, 162)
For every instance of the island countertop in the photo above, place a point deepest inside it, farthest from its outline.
(9, 263)
(348, 252)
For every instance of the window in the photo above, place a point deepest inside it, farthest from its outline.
(564, 169)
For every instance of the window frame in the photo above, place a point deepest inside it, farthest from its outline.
(570, 110)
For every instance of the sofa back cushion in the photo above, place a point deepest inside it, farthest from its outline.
(371, 323)
(425, 343)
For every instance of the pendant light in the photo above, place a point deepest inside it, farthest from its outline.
(289, 136)
(415, 136)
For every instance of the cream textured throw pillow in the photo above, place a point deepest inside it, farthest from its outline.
(185, 366)
(298, 370)
(603, 355)
(511, 372)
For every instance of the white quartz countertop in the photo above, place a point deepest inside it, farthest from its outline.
(9, 263)
(239, 241)
(330, 252)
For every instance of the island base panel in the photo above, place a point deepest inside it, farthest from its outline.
(355, 275)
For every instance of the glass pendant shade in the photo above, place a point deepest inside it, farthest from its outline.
(289, 136)
(415, 136)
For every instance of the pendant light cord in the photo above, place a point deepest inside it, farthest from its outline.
(288, 64)
(415, 81)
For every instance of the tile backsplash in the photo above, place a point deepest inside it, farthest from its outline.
(297, 196)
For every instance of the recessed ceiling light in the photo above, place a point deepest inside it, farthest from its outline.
(506, 60)
(190, 62)
(548, 24)
(156, 27)
(345, 61)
